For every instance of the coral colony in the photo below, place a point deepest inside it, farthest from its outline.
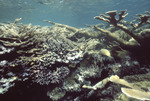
(76, 64)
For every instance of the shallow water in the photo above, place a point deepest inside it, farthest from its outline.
(75, 13)
(40, 62)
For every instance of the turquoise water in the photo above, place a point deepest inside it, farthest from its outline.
(75, 13)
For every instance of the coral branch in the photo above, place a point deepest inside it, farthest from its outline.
(112, 35)
(122, 15)
(133, 90)
(143, 19)
(98, 85)
(62, 25)
(140, 40)
(17, 20)
(111, 18)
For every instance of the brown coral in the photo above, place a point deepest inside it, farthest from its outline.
(140, 46)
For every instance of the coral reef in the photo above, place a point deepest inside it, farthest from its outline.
(139, 46)
(40, 54)
(64, 63)
(133, 91)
